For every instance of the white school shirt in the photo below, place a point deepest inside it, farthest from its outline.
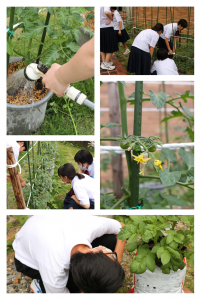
(165, 67)
(91, 169)
(84, 189)
(15, 147)
(145, 39)
(103, 18)
(44, 243)
(169, 31)
(116, 19)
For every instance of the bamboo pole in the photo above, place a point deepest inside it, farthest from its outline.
(166, 123)
(12, 13)
(15, 179)
(43, 36)
(134, 185)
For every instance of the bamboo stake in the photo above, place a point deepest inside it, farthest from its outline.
(15, 179)
(43, 37)
(134, 185)
(12, 13)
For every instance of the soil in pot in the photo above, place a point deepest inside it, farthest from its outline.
(20, 97)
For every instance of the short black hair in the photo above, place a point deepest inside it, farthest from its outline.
(26, 144)
(96, 272)
(83, 156)
(69, 171)
(183, 23)
(113, 7)
(162, 54)
(158, 27)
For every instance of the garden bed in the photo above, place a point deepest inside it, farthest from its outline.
(19, 97)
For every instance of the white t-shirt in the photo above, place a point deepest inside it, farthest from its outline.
(15, 147)
(169, 31)
(103, 18)
(91, 169)
(116, 19)
(145, 39)
(84, 189)
(44, 243)
(165, 67)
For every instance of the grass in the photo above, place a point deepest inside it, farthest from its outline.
(67, 151)
(185, 66)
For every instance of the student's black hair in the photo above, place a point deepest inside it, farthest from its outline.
(162, 54)
(113, 7)
(26, 144)
(183, 23)
(158, 27)
(96, 272)
(83, 156)
(69, 171)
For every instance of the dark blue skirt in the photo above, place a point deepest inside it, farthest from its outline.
(139, 62)
(69, 202)
(122, 38)
(162, 44)
(108, 41)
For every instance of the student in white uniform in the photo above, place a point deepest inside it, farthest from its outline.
(164, 65)
(63, 254)
(82, 193)
(85, 162)
(170, 30)
(18, 147)
(142, 50)
(121, 34)
(108, 41)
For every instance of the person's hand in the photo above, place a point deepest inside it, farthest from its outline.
(8, 177)
(23, 183)
(52, 82)
(170, 52)
(107, 23)
(119, 32)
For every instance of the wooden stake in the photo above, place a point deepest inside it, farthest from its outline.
(15, 179)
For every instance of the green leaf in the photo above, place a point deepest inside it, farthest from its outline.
(187, 111)
(89, 8)
(178, 237)
(174, 113)
(185, 96)
(51, 10)
(126, 232)
(141, 228)
(172, 200)
(169, 154)
(190, 174)
(9, 47)
(159, 99)
(76, 32)
(169, 178)
(133, 238)
(131, 247)
(155, 248)
(173, 245)
(72, 46)
(166, 271)
(89, 17)
(110, 125)
(150, 263)
(132, 95)
(175, 254)
(138, 266)
(187, 157)
(169, 238)
(123, 82)
(165, 257)
(34, 31)
(160, 252)
(51, 55)
(191, 133)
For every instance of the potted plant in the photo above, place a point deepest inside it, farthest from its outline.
(161, 245)
(56, 29)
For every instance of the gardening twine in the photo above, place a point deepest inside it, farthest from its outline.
(11, 33)
(14, 165)
(134, 207)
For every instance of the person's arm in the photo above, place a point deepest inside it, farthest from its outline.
(174, 48)
(109, 15)
(119, 248)
(80, 67)
(168, 46)
(23, 182)
(107, 23)
(120, 26)
(151, 49)
(79, 203)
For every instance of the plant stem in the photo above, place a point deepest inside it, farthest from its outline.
(124, 198)
(12, 13)
(157, 177)
(137, 132)
(69, 109)
(43, 35)
(166, 123)
(123, 104)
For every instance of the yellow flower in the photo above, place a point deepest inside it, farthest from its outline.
(142, 172)
(140, 158)
(157, 163)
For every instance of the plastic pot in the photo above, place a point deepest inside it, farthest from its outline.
(25, 119)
